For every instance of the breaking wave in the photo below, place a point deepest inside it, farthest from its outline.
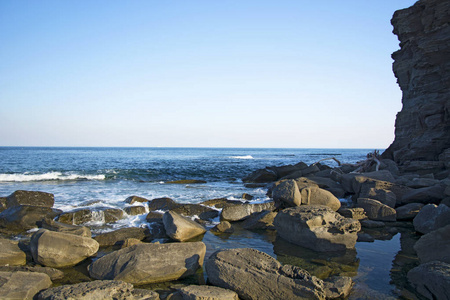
(242, 157)
(48, 176)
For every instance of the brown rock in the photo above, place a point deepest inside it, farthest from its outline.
(22, 285)
(30, 198)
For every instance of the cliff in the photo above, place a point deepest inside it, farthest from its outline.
(422, 68)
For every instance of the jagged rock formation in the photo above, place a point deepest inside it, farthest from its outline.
(422, 68)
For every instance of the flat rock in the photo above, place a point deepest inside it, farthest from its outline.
(375, 210)
(317, 227)
(432, 217)
(21, 218)
(52, 225)
(180, 228)
(386, 197)
(117, 237)
(150, 263)
(220, 202)
(434, 246)
(10, 253)
(408, 212)
(97, 215)
(255, 275)
(58, 249)
(186, 181)
(206, 292)
(234, 213)
(54, 274)
(426, 195)
(30, 198)
(431, 280)
(22, 285)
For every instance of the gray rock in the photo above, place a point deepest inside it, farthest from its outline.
(150, 263)
(144, 294)
(338, 287)
(365, 237)
(2, 203)
(196, 210)
(434, 246)
(246, 196)
(408, 212)
(205, 292)
(21, 218)
(317, 227)
(375, 210)
(180, 228)
(261, 176)
(431, 280)
(255, 275)
(260, 221)
(30, 198)
(66, 228)
(99, 289)
(352, 182)
(234, 213)
(97, 215)
(421, 182)
(135, 210)
(134, 199)
(54, 274)
(223, 227)
(386, 197)
(220, 202)
(426, 195)
(58, 249)
(287, 194)
(162, 204)
(117, 237)
(372, 224)
(10, 253)
(22, 285)
(432, 217)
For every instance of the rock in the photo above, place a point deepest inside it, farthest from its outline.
(352, 182)
(144, 294)
(117, 237)
(375, 210)
(386, 197)
(54, 274)
(22, 285)
(421, 182)
(246, 196)
(422, 167)
(154, 217)
(234, 213)
(186, 181)
(433, 194)
(317, 227)
(150, 263)
(365, 237)
(21, 218)
(11, 254)
(99, 289)
(255, 275)
(313, 195)
(99, 214)
(287, 170)
(162, 204)
(66, 228)
(356, 213)
(372, 224)
(134, 199)
(223, 227)
(286, 194)
(220, 202)
(202, 212)
(128, 242)
(30, 198)
(421, 67)
(434, 246)
(408, 212)
(432, 217)
(261, 176)
(180, 228)
(205, 292)
(431, 280)
(260, 221)
(2, 203)
(135, 210)
(58, 250)
(323, 183)
(338, 287)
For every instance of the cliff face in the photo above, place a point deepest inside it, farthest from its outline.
(422, 68)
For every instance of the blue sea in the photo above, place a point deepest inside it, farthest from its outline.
(79, 177)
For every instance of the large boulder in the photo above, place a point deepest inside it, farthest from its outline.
(375, 210)
(408, 212)
(118, 236)
(432, 217)
(431, 280)
(162, 204)
(261, 176)
(352, 182)
(21, 218)
(286, 194)
(240, 212)
(317, 227)
(52, 225)
(180, 228)
(95, 215)
(433, 194)
(58, 249)
(134, 199)
(434, 246)
(149, 263)
(135, 210)
(22, 285)
(197, 210)
(255, 275)
(313, 195)
(53, 273)
(30, 198)
(260, 221)
(204, 292)
(11, 254)
(386, 197)
(98, 289)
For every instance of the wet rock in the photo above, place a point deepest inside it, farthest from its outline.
(180, 228)
(117, 237)
(365, 237)
(21, 218)
(30, 198)
(234, 213)
(246, 196)
(431, 280)
(375, 210)
(317, 227)
(432, 217)
(338, 287)
(54, 274)
(223, 227)
(58, 250)
(186, 181)
(202, 212)
(162, 204)
(220, 202)
(98, 214)
(356, 213)
(99, 289)
(313, 195)
(149, 263)
(255, 275)
(22, 285)
(287, 194)
(434, 246)
(11, 254)
(203, 292)
(66, 228)
(135, 210)
(408, 212)
(260, 221)
(134, 199)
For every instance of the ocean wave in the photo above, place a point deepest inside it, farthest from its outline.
(48, 176)
(242, 157)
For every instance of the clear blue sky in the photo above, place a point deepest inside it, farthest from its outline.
(208, 73)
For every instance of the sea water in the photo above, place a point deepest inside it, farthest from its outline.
(90, 177)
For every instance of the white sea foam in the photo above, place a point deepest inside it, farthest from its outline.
(243, 157)
(48, 176)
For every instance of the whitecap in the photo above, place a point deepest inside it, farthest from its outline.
(23, 177)
(243, 157)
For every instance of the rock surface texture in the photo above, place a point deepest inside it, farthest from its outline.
(22, 285)
(432, 280)
(422, 127)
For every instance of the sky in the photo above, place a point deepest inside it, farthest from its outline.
(198, 73)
